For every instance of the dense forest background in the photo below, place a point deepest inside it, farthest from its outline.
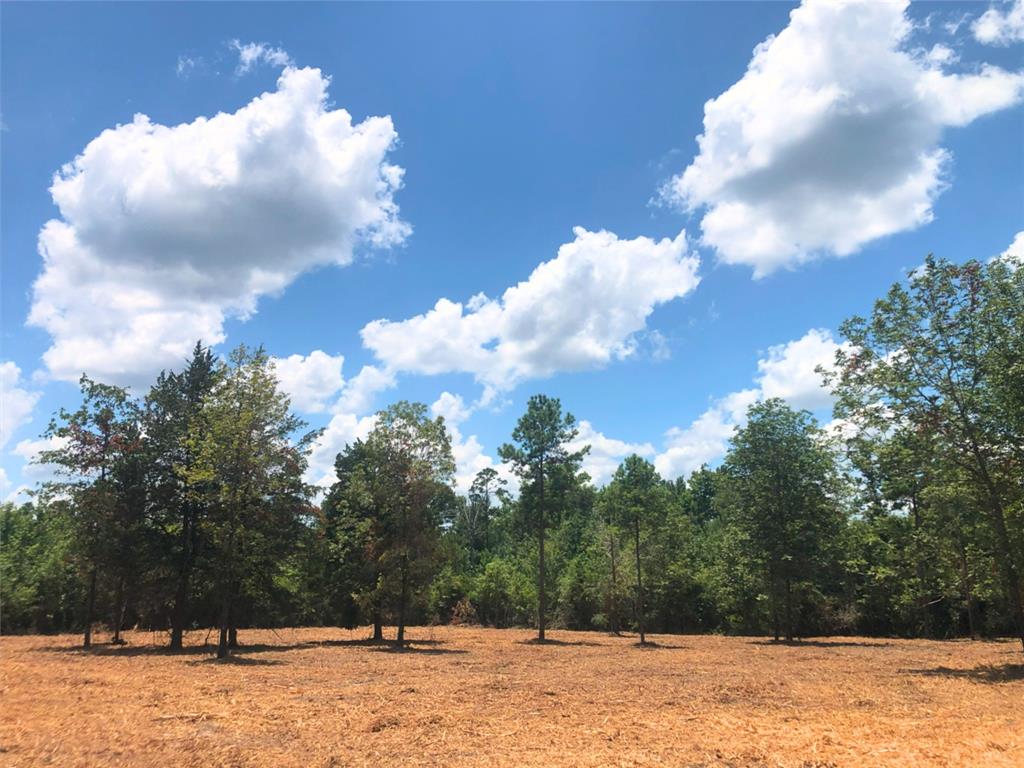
(187, 508)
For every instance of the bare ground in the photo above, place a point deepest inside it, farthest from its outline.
(467, 696)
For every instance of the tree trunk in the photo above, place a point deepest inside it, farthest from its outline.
(117, 620)
(541, 597)
(773, 594)
(613, 611)
(789, 611)
(403, 598)
(968, 587)
(923, 599)
(639, 583)
(378, 625)
(179, 615)
(233, 620)
(225, 613)
(90, 606)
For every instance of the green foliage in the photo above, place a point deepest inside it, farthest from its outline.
(503, 593)
(189, 508)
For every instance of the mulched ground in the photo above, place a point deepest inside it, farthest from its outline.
(483, 697)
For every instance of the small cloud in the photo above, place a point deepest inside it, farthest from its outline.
(996, 27)
(188, 65)
(252, 54)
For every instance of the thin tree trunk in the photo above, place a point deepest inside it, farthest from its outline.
(378, 625)
(90, 606)
(402, 600)
(119, 608)
(541, 597)
(613, 611)
(789, 611)
(225, 611)
(773, 591)
(639, 583)
(179, 615)
(233, 626)
(968, 587)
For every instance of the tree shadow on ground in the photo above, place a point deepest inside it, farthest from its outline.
(986, 673)
(554, 642)
(821, 643)
(411, 647)
(239, 660)
(652, 645)
(130, 651)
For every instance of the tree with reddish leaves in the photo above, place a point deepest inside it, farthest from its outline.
(99, 454)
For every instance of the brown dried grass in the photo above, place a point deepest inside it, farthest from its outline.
(467, 696)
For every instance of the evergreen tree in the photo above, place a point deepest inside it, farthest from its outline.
(540, 452)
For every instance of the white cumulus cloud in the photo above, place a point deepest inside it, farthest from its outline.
(578, 311)
(343, 429)
(997, 26)
(787, 372)
(831, 138)
(252, 54)
(310, 380)
(606, 453)
(1015, 253)
(16, 401)
(165, 231)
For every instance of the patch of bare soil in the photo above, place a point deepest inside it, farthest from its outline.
(483, 697)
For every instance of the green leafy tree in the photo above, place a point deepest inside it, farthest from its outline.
(417, 466)
(942, 356)
(174, 422)
(473, 519)
(639, 500)
(779, 482)
(539, 454)
(249, 468)
(41, 588)
(354, 521)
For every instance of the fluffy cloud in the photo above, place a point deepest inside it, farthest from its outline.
(343, 429)
(310, 380)
(16, 402)
(606, 453)
(830, 138)
(1015, 253)
(998, 27)
(787, 372)
(581, 310)
(707, 438)
(452, 408)
(361, 390)
(29, 451)
(252, 54)
(470, 457)
(165, 231)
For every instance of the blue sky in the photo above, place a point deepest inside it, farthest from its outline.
(833, 158)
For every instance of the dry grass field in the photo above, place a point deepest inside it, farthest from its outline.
(461, 696)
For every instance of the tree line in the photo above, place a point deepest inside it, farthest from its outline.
(187, 508)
